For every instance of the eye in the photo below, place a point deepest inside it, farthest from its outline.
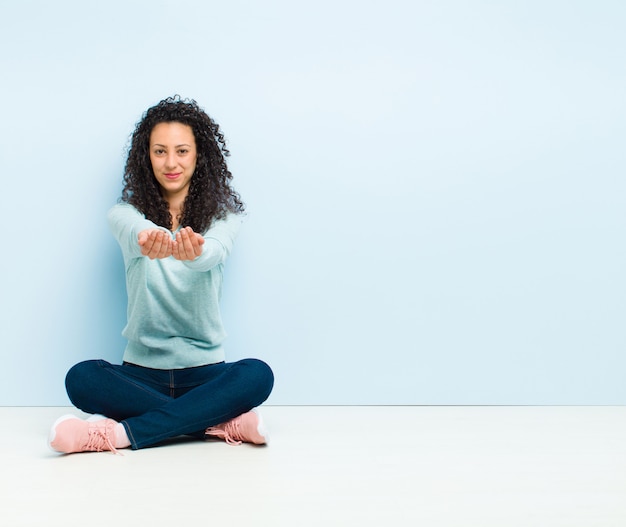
(183, 151)
(159, 151)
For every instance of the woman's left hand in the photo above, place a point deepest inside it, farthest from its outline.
(188, 244)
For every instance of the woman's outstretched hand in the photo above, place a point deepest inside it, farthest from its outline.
(155, 243)
(187, 245)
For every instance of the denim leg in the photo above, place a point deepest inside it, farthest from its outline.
(209, 396)
(116, 391)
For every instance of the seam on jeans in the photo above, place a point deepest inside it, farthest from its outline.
(130, 435)
(172, 385)
(151, 391)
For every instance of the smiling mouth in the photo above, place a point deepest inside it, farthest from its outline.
(172, 176)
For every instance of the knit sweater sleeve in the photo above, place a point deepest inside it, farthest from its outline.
(126, 222)
(218, 242)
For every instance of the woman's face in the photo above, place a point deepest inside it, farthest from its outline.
(173, 156)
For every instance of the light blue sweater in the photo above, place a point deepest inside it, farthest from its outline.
(174, 318)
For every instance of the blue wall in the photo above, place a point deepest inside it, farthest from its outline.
(436, 190)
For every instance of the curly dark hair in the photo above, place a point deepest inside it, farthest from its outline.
(210, 195)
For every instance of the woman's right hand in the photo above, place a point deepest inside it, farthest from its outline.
(155, 243)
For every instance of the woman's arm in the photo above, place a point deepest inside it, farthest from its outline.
(139, 237)
(215, 246)
(136, 235)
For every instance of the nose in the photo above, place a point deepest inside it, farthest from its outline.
(170, 160)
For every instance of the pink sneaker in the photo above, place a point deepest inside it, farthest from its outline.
(71, 434)
(246, 428)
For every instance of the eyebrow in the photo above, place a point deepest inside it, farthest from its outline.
(176, 146)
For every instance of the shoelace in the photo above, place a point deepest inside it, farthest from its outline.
(99, 440)
(230, 432)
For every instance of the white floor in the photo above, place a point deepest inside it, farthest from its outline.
(335, 466)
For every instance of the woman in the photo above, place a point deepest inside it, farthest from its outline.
(176, 224)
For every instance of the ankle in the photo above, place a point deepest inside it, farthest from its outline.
(121, 437)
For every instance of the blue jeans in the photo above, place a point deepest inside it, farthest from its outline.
(154, 405)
